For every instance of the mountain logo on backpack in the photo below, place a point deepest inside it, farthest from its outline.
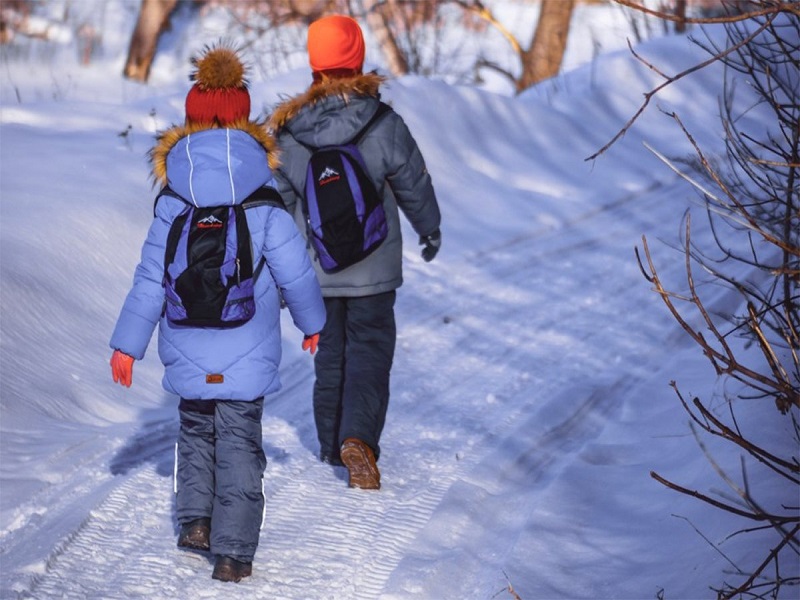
(210, 222)
(344, 212)
(328, 175)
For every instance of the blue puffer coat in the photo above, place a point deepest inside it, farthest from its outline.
(211, 167)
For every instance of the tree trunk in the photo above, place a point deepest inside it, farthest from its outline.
(395, 59)
(153, 19)
(680, 11)
(543, 59)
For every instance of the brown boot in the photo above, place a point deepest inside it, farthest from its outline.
(194, 534)
(230, 569)
(359, 459)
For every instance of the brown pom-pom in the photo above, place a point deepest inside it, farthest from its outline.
(218, 67)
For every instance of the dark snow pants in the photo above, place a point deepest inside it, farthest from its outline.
(219, 473)
(352, 365)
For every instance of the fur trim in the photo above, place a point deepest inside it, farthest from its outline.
(366, 84)
(166, 140)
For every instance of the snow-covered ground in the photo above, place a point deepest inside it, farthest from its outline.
(530, 394)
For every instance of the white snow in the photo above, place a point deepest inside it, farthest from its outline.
(530, 392)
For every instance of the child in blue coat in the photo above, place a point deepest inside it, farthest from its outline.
(218, 157)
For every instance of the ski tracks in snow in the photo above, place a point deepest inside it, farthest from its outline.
(119, 550)
(485, 411)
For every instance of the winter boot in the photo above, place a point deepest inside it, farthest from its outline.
(359, 459)
(329, 458)
(194, 534)
(230, 569)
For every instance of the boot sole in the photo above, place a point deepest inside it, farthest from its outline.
(190, 545)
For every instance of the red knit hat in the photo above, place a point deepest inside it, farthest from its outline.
(335, 42)
(220, 93)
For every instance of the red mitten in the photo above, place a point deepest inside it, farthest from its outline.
(310, 342)
(122, 368)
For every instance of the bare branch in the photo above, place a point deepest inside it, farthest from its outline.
(726, 432)
(726, 507)
(484, 13)
(648, 96)
(483, 63)
(772, 556)
(750, 221)
(723, 360)
(789, 7)
(754, 222)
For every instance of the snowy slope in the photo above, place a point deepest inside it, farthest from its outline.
(530, 393)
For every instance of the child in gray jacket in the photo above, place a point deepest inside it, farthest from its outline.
(351, 391)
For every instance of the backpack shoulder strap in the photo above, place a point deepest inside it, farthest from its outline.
(383, 108)
(264, 196)
(174, 234)
(167, 191)
(177, 225)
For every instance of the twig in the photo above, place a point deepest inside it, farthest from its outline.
(789, 7)
(752, 220)
(726, 507)
(648, 96)
(770, 557)
(484, 13)
(727, 433)
(723, 361)
(710, 543)
(511, 588)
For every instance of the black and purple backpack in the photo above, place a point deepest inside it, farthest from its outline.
(209, 275)
(344, 213)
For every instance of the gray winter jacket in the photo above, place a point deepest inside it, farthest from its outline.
(332, 112)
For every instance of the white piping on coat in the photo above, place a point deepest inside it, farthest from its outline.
(230, 171)
(175, 471)
(191, 168)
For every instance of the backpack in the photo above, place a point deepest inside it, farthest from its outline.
(344, 212)
(209, 276)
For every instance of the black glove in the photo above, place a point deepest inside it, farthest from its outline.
(432, 244)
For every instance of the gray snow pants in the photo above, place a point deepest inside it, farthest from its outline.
(352, 365)
(219, 473)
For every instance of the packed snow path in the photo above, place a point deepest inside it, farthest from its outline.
(457, 348)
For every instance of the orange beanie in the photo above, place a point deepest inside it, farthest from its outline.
(335, 42)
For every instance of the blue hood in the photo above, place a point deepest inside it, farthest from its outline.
(215, 167)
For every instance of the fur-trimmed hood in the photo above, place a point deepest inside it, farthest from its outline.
(336, 92)
(212, 166)
(166, 140)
